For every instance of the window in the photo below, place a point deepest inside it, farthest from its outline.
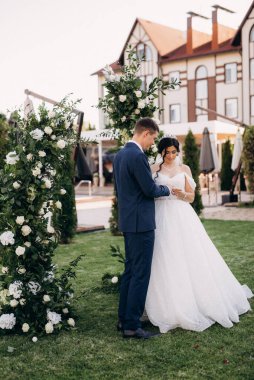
(252, 68)
(174, 75)
(231, 107)
(201, 72)
(145, 72)
(252, 106)
(252, 34)
(141, 51)
(231, 72)
(201, 92)
(174, 113)
(201, 89)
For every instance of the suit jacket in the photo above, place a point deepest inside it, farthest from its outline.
(135, 190)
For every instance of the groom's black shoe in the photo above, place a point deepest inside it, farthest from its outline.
(119, 326)
(139, 334)
(144, 324)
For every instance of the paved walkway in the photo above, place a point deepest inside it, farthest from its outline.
(96, 210)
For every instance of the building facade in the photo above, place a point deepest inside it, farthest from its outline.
(216, 71)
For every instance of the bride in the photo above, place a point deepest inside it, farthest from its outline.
(190, 286)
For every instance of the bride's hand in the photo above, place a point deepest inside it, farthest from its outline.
(179, 193)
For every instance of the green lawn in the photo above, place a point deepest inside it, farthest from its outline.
(96, 351)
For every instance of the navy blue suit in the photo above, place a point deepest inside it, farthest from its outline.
(135, 191)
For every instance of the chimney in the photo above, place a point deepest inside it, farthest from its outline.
(221, 33)
(215, 37)
(194, 38)
(189, 46)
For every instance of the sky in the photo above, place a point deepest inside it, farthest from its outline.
(52, 47)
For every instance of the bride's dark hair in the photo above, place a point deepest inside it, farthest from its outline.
(166, 142)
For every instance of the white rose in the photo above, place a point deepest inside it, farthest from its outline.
(26, 230)
(47, 183)
(14, 303)
(61, 144)
(71, 322)
(114, 280)
(51, 114)
(46, 298)
(27, 244)
(137, 111)
(7, 238)
(49, 328)
(34, 339)
(16, 185)
(53, 137)
(22, 301)
(54, 317)
(65, 310)
(36, 171)
(154, 149)
(53, 172)
(141, 104)
(5, 269)
(62, 191)
(7, 321)
(22, 270)
(29, 157)
(48, 130)
(58, 204)
(20, 220)
(42, 153)
(122, 98)
(37, 134)
(25, 327)
(50, 230)
(138, 93)
(20, 251)
(123, 118)
(12, 158)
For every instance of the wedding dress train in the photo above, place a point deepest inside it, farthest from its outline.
(190, 286)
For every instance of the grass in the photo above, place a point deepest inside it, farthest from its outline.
(96, 351)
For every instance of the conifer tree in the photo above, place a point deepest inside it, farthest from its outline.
(191, 158)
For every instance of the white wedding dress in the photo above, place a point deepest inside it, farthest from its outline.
(190, 286)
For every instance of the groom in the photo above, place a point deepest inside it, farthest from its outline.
(135, 192)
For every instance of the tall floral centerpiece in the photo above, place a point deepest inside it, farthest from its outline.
(34, 298)
(126, 102)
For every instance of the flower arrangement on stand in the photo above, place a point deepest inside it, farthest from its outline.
(126, 102)
(34, 296)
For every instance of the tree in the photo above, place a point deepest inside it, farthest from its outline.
(226, 171)
(248, 157)
(191, 158)
(68, 218)
(3, 139)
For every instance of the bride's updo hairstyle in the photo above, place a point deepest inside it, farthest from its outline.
(164, 143)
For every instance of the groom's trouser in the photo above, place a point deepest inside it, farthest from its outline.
(135, 279)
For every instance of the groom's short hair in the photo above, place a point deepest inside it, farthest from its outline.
(146, 123)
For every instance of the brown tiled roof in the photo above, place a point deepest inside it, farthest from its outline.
(237, 38)
(163, 37)
(202, 50)
(115, 66)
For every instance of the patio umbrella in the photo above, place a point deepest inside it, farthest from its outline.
(83, 170)
(214, 152)
(238, 147)
(206, 162)
(28, 107)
